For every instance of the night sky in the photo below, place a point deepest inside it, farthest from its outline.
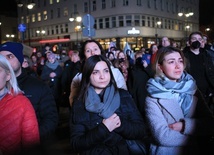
(205, 10)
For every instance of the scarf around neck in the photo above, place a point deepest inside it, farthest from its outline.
(111, 101)
(53, 66)
(182, 90)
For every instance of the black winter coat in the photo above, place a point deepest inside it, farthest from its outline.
(53, 83)
(89, 136)
(138, 78)
(43, 102)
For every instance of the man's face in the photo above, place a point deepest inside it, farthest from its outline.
(196, 37)
(14, 62)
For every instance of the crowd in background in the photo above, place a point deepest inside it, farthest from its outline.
(140, 73)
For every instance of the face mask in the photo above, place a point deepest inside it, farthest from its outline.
(121, 60)
(195, 44)
(138, 61)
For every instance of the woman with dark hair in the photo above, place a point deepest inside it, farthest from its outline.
(90, 48)
(103, 116)
(153, 51)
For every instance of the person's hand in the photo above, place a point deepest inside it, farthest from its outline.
(145, 64)
(178, 126)
(112, 122)
(52, 74)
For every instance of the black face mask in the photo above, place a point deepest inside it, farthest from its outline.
(138, 61)
(121, 60)
(195, 44)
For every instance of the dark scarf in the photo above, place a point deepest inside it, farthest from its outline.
(111, 101)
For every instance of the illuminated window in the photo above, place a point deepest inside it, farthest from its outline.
(65, 12)
(45, 16)
(33, 18)
(39, 18)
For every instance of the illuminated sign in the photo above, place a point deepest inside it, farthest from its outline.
(133, 31)
(54, 41)
(22, 27)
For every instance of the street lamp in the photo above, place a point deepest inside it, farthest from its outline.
(186, 15)
(77, 26)
(42, 32)
(207, 29)
(156, 34)
(29, 6)
(10, 36)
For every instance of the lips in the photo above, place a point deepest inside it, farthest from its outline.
(178, 72)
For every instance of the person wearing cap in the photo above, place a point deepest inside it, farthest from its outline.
(51, 74)
(39, 94)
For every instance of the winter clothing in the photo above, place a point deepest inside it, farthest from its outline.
(43, 102)
(15, 48)
(19, 127)
(170, 102)
(54, 83)
(75, 85)
(89, 136)
(136, 83)
(69, 71)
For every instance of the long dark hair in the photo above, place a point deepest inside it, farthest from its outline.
(87, 71)
(82, 51)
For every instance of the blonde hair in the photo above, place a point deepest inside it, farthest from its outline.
(12, 84)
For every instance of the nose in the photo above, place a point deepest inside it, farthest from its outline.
(92, 52)
(177, 64)
(102, 75)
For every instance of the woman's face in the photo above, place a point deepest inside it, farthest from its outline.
(121, 55)
(91, 49)
(34, 58)
(4, 78)
(51, 59)
(25, 63)
(100, 77)
(173, 66)
(154, 48)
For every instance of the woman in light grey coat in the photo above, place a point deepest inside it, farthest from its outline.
(178, 118)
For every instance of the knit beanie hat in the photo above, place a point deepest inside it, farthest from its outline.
(15, 48)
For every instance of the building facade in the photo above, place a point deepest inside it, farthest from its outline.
(138, 22)
(8, 28)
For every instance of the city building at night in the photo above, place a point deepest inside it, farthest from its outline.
(138, 22)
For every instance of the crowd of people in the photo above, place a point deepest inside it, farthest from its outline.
(161, 98)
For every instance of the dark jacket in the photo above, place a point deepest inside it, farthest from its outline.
(205, 69)
(43, 102)
(137, 80)
(90, 136)
(70, 70)
(54, 83)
